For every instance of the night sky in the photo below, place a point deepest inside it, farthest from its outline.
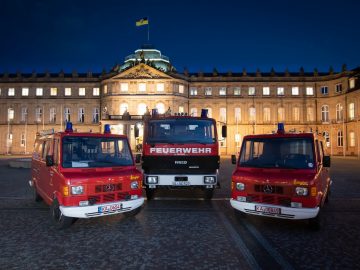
(89, 35)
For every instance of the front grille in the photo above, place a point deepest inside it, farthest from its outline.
(274, 189)
(269, 199)
(108, 188)
(108, 197)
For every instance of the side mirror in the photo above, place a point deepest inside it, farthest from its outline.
(233, 159)
(326, 161)
(136, 131)
(49, 160)
(137, 158)
(223, 131)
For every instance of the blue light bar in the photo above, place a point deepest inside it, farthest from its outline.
(204, 113)
(107, 128)
(281, 128)
(69, 127)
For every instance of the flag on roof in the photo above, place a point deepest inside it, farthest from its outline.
(143, 21)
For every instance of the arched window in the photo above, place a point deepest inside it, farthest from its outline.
(142, 108)
(237, 115)
(160, 107)
(340, 141)
(325, 113)
(281, 114)
(266, 116)
(339, 112)
(252, 114)
(123, 107)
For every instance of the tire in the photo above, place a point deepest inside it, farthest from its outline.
(315, 223)
(149, 193)
(208, 193)
(133, 212)
(59, 220)
(36, 196)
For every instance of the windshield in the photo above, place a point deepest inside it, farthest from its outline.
(81, 152)
(181, 131)
(287, 153)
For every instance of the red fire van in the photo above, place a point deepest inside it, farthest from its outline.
(282, 175)
(84, 175)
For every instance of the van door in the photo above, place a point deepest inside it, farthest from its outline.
(45, 175)
(321, 170)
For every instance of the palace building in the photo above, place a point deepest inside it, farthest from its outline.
(247, 103)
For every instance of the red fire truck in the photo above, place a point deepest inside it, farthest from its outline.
(180, 151)
(282, 175)
(84, 175)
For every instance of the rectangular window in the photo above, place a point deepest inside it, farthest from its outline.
(338, 88)
(67, 91)
(351, 111)
(181, 89)
(296, 114)
(281, 114)
(95, 115)
(352, 83)
(237, 115)
(266, 91)
(223, 115)
(208, 91)
(193, 91)
(160, 87)
(11, 114)
(38, 114)
(295, 90)
(251, 91)
(193, 112)
(266, 116)
(39, 92)
(352, 139)
(252, 115)
(24, 112)
(67, 115)
(142, 87)
(25, 92)
(81, 91)
(11, 92)
(105, 89)
(52, 115)
(222, 91)
(280, 91)
(96, 91)
(81, 118)
(237, 91)
(124, 87)
(53, 91)
(310, 114)
(22, 140)
(324, 90)
(309, 91)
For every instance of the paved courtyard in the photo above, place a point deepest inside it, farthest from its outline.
(178, 230)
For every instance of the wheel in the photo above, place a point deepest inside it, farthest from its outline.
(133, 212)
(208, 193)
(315, 223)
(60, 221)
(36, 196)
(149, 193)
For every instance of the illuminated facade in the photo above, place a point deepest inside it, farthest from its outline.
(328, 103)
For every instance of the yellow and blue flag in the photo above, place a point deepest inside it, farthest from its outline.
(143, 21)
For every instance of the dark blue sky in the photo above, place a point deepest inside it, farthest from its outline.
(201, 35)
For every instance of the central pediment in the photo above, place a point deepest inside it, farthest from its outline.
(142, 71)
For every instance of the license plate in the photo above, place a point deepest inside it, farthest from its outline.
(267, 210)
(181, 183)
(110, 208)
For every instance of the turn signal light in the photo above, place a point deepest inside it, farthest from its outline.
(66, 191)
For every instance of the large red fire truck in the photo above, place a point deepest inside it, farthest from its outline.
(180, 151)
(282, 175)
(84, 175)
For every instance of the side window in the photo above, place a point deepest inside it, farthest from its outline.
(40, 149)
(319, 151)
(47, 149)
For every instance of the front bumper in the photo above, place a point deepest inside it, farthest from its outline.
(93, 210)
(285, 212)
(168, 180)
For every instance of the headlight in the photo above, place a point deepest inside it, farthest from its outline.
(134, 185)
(209, 179)
(77, 190)
(240, 186)
(301, 191)
(151, 179)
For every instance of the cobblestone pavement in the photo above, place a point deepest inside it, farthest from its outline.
(178, 230)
